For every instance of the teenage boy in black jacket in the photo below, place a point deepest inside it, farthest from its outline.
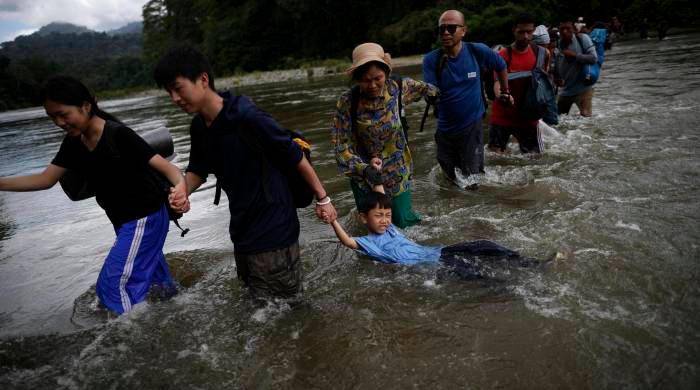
(245, 148)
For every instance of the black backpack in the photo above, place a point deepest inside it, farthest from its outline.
(77, 188)
(540, 92)
(302, 194)
(355, 101)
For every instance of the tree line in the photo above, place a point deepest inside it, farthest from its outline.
(105, 62)
(247, 35)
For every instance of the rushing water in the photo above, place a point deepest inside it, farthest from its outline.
(615, 195)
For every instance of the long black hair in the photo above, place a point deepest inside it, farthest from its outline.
(70, 91)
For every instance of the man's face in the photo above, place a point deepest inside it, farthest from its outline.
(186, 94)
(523, 34)
(566, 31)
(451, 29)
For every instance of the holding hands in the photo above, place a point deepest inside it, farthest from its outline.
(373, 171)
(325, 210)
(178, 198)
(375, 164)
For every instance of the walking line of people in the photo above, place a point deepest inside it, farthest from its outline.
(253, 157)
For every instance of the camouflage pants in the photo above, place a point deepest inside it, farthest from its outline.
(275, 273)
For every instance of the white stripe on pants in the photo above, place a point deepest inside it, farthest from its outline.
(129, 265)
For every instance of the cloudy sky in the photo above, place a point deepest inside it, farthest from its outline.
(20, 17)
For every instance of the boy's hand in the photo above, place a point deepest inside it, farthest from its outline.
(376, 163)
(373, 171)
(178, 198)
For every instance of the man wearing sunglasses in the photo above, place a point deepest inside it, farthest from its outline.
(456, 70)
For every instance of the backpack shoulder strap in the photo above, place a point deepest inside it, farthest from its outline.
(402, 114)
(580, 43)
(539, 55)
(251, 142)
(440, 66)
(509, 48)
(399, 83)
(354, 104)
(472, 50)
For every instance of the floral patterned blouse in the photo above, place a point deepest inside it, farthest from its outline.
(378, 133)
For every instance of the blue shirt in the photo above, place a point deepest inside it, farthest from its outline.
(394, 247)
(460, 83)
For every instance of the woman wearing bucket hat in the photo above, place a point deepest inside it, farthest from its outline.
(367, 127)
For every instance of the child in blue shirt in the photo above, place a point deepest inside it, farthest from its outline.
(386, 243)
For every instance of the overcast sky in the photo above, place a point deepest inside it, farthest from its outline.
(21, 17)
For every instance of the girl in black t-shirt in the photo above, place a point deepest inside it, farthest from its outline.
(115, 163)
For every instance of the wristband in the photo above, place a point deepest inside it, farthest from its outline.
(321, 197)
(321, 202)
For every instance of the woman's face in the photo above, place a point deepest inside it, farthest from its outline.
(372, 82)
(73, 119)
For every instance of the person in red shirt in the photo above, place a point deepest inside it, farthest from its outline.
(506, 119)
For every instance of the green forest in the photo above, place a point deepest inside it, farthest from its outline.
(247, 35)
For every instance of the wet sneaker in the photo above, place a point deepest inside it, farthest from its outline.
(159, 293)
(468, 182)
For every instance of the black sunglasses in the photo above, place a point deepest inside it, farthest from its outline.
(450, 28)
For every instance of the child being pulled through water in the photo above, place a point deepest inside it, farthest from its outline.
(385, 243)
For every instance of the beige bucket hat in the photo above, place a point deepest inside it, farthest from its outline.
(368, 52)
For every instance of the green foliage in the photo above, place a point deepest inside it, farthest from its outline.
(100, 60)
(415, 32)
(247, 35)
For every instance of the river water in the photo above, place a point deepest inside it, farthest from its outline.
(614, 199)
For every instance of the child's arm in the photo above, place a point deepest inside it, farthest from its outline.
(376, 163)
(39, 181)
(344, 238)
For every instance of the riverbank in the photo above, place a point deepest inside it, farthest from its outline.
(337, 67)
(332, 68)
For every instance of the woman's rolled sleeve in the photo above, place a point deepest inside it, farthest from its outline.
(414, 90)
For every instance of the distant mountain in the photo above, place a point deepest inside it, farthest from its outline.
(62, 28)
(69, 28)
(102, 60)
(131, 28)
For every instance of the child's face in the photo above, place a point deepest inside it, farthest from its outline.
(377, 220)
(188, 95)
